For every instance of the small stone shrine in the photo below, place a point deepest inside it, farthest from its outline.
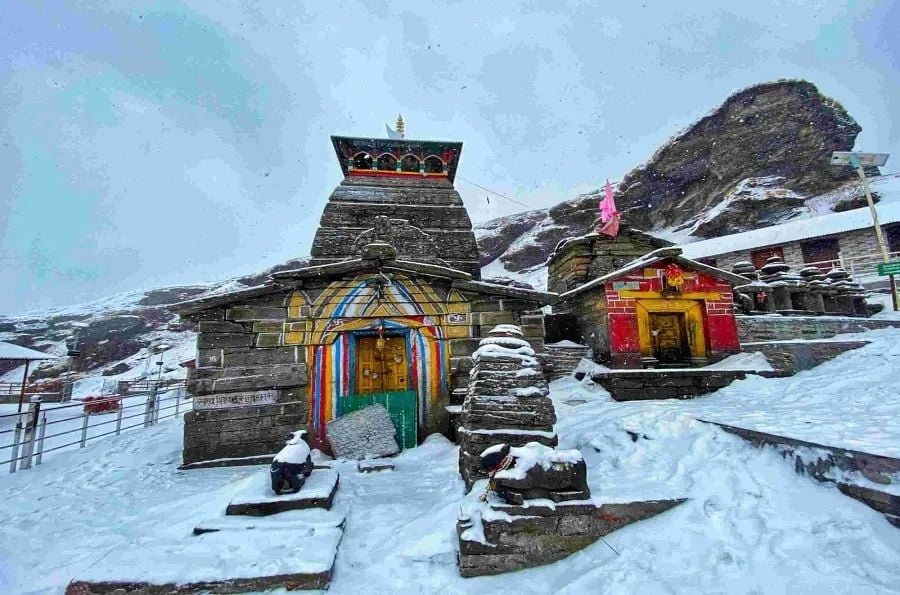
(537, 510)
(660, 309)
(506, 403)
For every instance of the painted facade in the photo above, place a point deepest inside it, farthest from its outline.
(661, 309)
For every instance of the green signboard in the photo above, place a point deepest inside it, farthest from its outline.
(889, 268)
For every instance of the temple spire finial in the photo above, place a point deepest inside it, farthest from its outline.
(401, 126)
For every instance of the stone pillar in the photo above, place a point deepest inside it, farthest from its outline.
(506, 402)
(781, 298)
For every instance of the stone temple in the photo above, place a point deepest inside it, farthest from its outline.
(390, 312)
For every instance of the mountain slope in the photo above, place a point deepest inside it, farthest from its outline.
(756, 160)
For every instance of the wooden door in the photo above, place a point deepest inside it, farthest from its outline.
(381, 370)
(667, 333)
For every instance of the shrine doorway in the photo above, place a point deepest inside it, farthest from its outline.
(382, 376)
(669, 337)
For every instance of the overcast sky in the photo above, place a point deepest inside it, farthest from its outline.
(148, 144)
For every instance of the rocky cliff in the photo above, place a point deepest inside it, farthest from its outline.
(752, 162)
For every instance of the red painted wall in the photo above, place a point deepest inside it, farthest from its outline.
(720, 327)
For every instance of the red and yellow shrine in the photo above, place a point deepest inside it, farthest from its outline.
(658, 310)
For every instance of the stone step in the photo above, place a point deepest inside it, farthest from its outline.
(309, 520)
(255, 497)
(374, 465)
(217, 562)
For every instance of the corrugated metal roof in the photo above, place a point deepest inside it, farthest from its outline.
(792, 231)
(16, 352)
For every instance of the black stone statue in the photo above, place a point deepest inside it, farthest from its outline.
(291, 466)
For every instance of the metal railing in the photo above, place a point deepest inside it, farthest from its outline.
(862, 266)
(15, 388)
(46, 427)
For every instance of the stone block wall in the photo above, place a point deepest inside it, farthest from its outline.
(784, 328)
(259, 383)
(430, 221)
(486, 314)
(794, 357)
(581, 259)
(858, 242)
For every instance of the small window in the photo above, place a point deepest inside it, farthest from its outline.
(821, 253)
(759, 257)
(362, 161)
(409, 163)
(387, 162)
(893, 237)
(434, 165)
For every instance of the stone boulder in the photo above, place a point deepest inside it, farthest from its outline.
(365, 434)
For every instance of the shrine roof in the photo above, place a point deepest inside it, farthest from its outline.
(672, 253)
(347, 147)
(286, 280)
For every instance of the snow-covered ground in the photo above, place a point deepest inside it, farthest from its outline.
(751, 525)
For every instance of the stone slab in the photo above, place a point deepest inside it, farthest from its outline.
(374, 465)
(542, 533)
(239, 399)
(255, 497)
(364, 434)
(309, 520)
(216, 562)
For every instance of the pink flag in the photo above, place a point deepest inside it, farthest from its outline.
(609, 215)
(607, 205)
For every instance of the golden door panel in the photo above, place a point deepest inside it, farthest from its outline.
(668, 336)
(381, 365)
(692, 331)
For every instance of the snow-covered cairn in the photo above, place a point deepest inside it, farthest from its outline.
(506, 403)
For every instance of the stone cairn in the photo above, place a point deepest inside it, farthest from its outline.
(506, 402)
(537, 510)
(809, 292)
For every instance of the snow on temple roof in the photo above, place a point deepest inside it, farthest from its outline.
(793, 231)
(8, 351)
(671, 252)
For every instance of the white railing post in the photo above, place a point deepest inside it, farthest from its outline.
(30, 433)
(84, 428)
(17, 434)
(148, 409)
(40, 448)
(119, 416)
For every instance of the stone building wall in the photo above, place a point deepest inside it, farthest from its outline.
(855, 243)
(784, 328)
(579, 260)
(252, 384)
(241, 360)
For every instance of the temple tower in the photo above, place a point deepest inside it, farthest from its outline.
(401, 192)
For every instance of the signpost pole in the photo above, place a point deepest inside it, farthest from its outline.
(881, 243)
(857, 160)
